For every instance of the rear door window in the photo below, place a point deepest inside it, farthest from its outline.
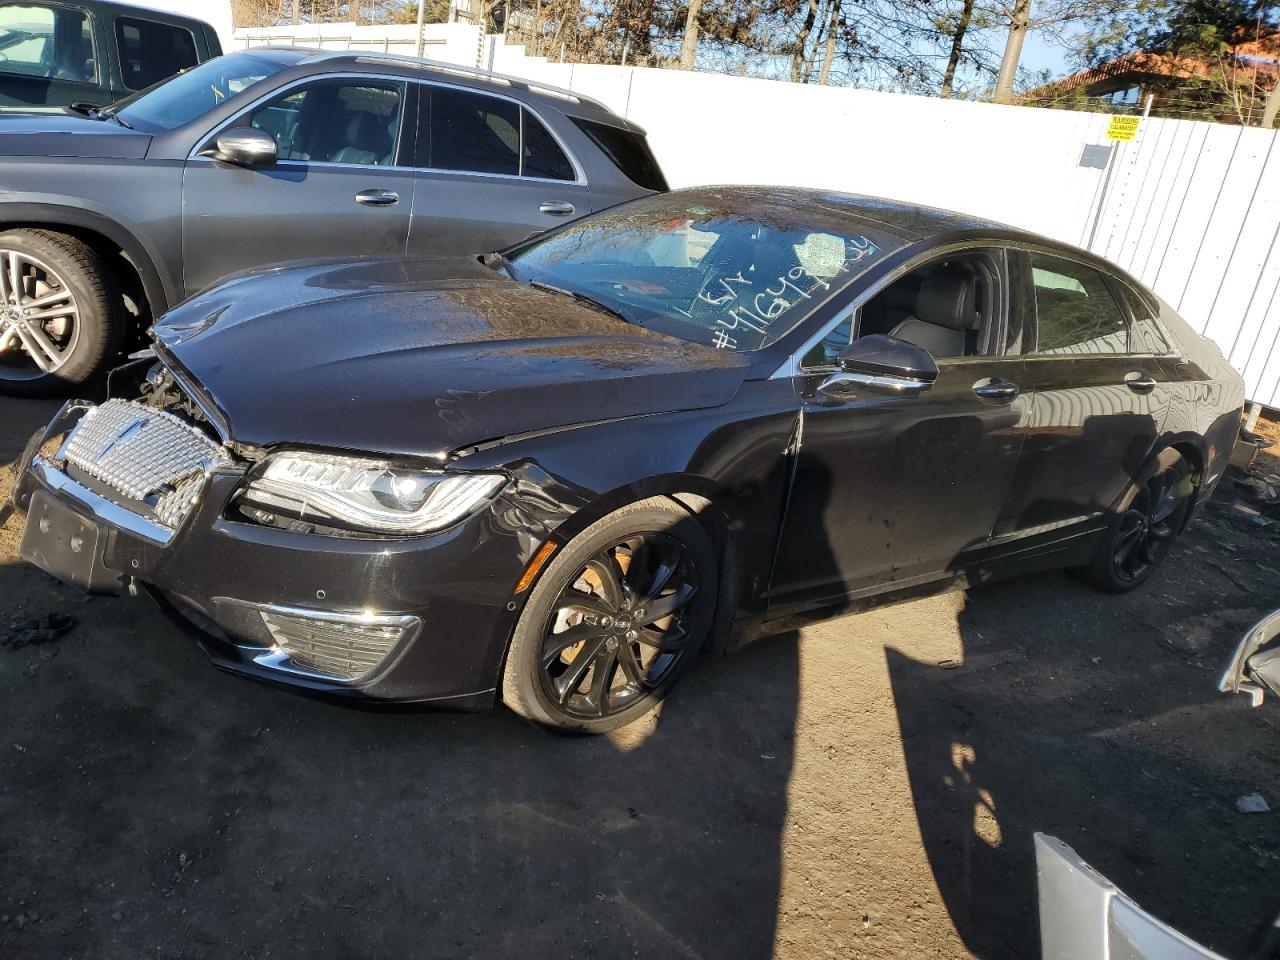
(55, 43)
(1147, 336)
(150, 51)
(1076, 312)
(472, 133)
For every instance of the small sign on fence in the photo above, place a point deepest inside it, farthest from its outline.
(1123, 128)
(1096, 155)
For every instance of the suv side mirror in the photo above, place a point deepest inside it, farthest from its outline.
(245, 147)
(880, 364)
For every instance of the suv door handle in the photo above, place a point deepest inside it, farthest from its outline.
(377, 198)
(1139, 382)
(557, 208)
(997, 391)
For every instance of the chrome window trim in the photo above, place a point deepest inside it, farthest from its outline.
(1030, 247)
(793, 366)
(578, 172)
(194, 152)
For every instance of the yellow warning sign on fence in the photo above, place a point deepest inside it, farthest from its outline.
(1123, 128)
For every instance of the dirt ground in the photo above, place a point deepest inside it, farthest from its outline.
(868, 787)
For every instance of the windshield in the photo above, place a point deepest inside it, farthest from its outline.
(187, 96)
(734, 279)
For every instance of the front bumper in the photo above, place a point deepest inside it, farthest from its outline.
(445, 600)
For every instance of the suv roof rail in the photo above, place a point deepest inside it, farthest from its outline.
(531, 86)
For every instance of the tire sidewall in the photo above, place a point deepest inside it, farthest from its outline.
(98, 333)
(522, 686)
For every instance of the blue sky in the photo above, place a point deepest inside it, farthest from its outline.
(1038, 55)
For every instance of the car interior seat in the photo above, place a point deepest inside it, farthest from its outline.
(367, 139)
(946, 313)
(74, 61)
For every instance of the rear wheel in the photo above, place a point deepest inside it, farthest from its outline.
(614, 620)
(59, 325)
(1140, 533)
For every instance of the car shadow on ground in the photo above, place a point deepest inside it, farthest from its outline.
(1096, 718)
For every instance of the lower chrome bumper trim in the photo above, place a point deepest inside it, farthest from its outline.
(102, 508)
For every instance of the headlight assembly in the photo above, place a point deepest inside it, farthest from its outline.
(355, 494)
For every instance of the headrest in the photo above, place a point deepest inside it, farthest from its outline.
(364, 127)
(947, 299)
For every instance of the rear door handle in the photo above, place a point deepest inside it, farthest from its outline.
(377, 198)
(557, 208)
(997, 391)
(1139, 382)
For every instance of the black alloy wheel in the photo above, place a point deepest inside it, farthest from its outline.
(620, 627)
(613, 620)
(1153, 512)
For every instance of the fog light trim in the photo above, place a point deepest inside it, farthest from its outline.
(343, 647)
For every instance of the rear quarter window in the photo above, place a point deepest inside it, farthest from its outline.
(151, 51)
(629, 152)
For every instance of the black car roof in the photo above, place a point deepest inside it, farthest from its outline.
(842, 212)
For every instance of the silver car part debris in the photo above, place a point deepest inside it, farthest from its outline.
(1253, 668)
(1084, 916)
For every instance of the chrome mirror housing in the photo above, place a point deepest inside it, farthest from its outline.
(881, 365)
(245, 147)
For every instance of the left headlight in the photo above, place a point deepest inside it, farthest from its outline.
(366, 495)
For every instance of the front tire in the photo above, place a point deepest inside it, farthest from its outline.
(1140, 533)
(59, 320)
(614, 620)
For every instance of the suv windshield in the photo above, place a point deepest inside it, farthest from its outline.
(181, 99)
(711, 273)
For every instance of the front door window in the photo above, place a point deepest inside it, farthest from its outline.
(345, 121)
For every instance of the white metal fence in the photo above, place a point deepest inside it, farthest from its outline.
(1190, 208)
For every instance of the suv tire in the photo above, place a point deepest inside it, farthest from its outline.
(77, 333)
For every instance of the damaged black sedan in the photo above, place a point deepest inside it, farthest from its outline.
(552, 475)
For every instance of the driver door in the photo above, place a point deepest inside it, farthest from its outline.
(892, 491)
(336, 189)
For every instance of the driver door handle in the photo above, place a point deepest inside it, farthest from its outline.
(377, 198)
(999, 391)
(557, 208)
(1139, 382)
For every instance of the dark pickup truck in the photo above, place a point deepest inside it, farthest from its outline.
(55, 54)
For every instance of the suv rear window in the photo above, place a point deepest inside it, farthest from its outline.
(629, 152)
(151, 51)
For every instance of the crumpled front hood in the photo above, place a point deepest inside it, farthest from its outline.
(63, 135)
(419, 356)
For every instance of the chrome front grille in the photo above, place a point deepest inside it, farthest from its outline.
(146, 455)
(343, 646)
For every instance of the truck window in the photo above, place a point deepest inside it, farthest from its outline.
(55, 43)
(151, 51)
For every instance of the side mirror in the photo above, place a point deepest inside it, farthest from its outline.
(883, 365)
(245, 147)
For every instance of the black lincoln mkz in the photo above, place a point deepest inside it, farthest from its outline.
(551, 475)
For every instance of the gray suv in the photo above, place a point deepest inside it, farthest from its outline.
(108, 219)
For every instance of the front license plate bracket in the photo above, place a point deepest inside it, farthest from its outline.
(68, 546)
